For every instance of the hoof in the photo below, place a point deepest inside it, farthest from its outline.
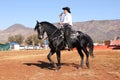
(57, 69)
(79, 68)
(88, 66)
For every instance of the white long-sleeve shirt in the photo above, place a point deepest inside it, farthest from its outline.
(67, 18)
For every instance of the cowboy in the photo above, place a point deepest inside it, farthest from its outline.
(66, 20)
(67, 17)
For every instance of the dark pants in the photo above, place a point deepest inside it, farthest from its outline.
(68, 39)
(67, 34)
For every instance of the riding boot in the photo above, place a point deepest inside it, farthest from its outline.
(68, 39)
(69, 48)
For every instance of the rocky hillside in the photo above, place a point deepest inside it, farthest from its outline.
(99, 30)
(15, 30)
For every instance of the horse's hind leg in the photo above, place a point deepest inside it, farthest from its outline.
(58, 59)
(82, 57)
(49, 57)
(87, 57)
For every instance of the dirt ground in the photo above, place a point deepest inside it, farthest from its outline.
(33, 65)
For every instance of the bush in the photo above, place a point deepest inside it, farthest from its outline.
(33, 40)
(17, 38)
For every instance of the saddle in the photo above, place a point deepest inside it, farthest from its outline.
(74, 34)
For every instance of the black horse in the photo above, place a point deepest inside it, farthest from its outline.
(57, 41)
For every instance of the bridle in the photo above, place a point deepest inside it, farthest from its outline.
(53, 34)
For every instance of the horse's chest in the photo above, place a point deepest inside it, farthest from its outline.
(56, 41)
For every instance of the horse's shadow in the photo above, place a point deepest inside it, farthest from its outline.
(116, 48)
(46, 65)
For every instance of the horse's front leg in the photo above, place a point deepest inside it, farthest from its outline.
(58, 59)
(49, 57)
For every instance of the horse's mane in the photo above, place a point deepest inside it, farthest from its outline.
(49, 24)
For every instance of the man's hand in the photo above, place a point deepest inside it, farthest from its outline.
(60, 23)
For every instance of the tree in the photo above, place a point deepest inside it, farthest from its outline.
(29, 40)
(17, 38)
(33, 40)
(11, 39)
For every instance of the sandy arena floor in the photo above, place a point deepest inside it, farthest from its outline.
(33, 65)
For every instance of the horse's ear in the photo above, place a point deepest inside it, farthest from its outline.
(37, 21)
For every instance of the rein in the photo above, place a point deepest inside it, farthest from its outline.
(57, 36)
(53, 32)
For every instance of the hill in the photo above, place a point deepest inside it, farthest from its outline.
(99, 30)
(14, 30)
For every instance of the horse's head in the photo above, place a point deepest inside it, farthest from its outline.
(40, 30)
(47, 27)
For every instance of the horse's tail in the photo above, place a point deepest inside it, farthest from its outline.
(89, 41)
(90, 46)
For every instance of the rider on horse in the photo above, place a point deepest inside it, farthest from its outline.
(66, 20)
(67, 17)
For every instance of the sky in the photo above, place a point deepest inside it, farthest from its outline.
(26, 12)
